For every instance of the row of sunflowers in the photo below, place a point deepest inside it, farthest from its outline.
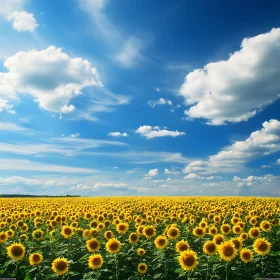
(140, 238)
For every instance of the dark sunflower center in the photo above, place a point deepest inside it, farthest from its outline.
(161, 242)
(173, 232)
(93, 244)
(266, 226)
(96, 261)
(189, 260)
(142, 267)
(68, 231)
(219, 240)
(199, 231)
(133, 237)
(228, 251)
(121, 227)
(114, 246)
(2, 236)
(211, 247)
(17, 251)
(61, 265)
(262, 246)
(149, 231)
(213, 231)
(237, 244)
(36, 258)
(183, 247)
(226, 228)
(255, 232)
(246, 256)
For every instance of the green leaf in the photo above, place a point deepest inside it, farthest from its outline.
(157, 276)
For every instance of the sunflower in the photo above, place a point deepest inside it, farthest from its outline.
(60, 266)
(93, 245)
(108, 234)
(210, 248)
(37, 234)
(262, 246)
(149, 231)
(225, 229)
(182, 246)
(67, 231)
(199, 232)
(236, 229)
(141, 251)
(161, 242)
(87, 234)
(243, 236)
(122, 228)
(212, 231)
(113, 246)
(218, 239)
(254, 232)
(188, 260)
(173, 233)
(35, 258)
(16, 251)
(140, 230)
(142, 268)
(133, 238)
(265, 226)
(237, 243)
(3, 237)
(227, 251)
(246, 255)
(95, 261)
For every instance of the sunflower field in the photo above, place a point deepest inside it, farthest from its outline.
(140, 238)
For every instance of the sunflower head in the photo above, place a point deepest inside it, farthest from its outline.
(37, 234)
(149, 231)
(133, 238)
(173, 233)
(60, 266)
(188, 260)
(108, 234)
(122, 228)
(254, 232)
(199, 232)
(87, 234)
(262, 246)
(237, 243)
(265, 226)
(218, 239)
(113, 246)
(212, 231)
(246, 255)
(93, 245)
(225, 229)
(227, 251)
(67, 231)
(161, 242)
(210, 248)
(141, 252)
(16, 251)
(95, 261)
(142, 268)
(182, 246)
(3, 237)
(35, 258)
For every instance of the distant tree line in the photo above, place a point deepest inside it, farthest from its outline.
(31, 195)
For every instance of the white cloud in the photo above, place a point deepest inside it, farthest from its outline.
(253, 180)
(266, 166)
(166, 171)
(118, 134)
(4, 106)
(196, 176)
(152, 132)
(161, 101)
(7, 7)
(23, 21)
(130, 54)
(152, 172)
(278, 161)
(235, 89)
(75, 135)
(158, 89)
(52, 77)
(260, 143)
(192, 176)
(15, 128)
(127, 50)
(27, 165)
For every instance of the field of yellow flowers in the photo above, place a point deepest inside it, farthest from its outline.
(140, 238)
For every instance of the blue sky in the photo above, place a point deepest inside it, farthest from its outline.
(103, 98)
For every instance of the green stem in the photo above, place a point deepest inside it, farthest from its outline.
(226, 271)
(116, 265)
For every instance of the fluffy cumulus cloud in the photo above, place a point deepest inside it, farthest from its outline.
(254, 180)
(260, 143)
(152, 173)
(235, 89)
(23, 21)
(171, 172)
(161, 101)
(196, 176)
(118, 134)
(50, 76)
(152, 132)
